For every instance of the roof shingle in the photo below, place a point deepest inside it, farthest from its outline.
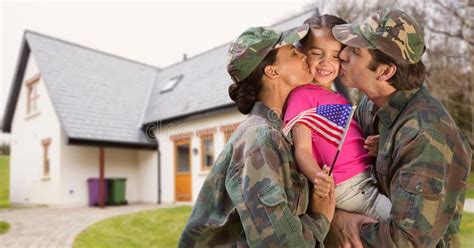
(103, 97)
(96, 96)
(203, 86)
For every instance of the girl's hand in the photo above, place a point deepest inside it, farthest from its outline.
(323, 204)
(323, 183)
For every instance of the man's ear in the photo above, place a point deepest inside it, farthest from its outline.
(271, 71)
(385, 72)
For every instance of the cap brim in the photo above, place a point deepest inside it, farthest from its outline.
(349, 34)
(292, 35)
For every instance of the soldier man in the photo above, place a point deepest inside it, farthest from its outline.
(254, 194)
(423, 160)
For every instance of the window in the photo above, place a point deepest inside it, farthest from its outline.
(46, 143)
(208, 152)
(228, 130)
(207, 148)
(171, 84)
(32, 94)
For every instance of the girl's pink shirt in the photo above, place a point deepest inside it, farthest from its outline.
(353, 158)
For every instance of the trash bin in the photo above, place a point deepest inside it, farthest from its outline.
(117, 191)
(94, 191)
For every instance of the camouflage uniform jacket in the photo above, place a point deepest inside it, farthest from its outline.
(422, 165)
(254, 195)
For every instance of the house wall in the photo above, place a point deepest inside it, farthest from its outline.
(70, 166)
(27, 184)
(147, 184)
(164, 133)
(79, 163)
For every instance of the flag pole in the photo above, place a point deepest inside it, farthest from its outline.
(346, 128)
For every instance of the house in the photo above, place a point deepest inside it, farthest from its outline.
(75, 113)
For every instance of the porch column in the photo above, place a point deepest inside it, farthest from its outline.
(101, 177)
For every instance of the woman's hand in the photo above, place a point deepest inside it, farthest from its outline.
(324, 204)
(372, 145)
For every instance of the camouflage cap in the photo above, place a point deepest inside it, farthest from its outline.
(389, 30)
(251, 47)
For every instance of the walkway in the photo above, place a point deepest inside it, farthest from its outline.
(55, 227)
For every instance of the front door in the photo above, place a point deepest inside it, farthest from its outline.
(182, 155)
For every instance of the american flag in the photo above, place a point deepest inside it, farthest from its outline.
(331, 121)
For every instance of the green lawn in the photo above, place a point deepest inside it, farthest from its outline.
(467, 230)
(4, 226)
(156, 228)
(470, 186)
(4, 181)
(161, 228)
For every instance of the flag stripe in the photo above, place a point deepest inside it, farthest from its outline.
(310, 125)
(320, 119)
(327, 123)
(321, 126)
(330, 121)
(290, 124)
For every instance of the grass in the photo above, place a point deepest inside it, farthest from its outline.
(4, 182)
(467, 230)
(4, 227)
(4, 190)
(161, 228)
(470, 186)
(156, 228)
(467, 224)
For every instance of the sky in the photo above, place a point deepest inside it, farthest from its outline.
(155, 33)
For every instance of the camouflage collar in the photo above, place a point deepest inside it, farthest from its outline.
(389, 112)
(272, 118)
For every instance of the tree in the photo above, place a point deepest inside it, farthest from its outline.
(449, 32)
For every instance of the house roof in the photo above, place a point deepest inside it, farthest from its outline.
(97, 96)
(103, 98)
(204, 84)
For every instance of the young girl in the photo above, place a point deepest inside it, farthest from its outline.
(355, 190)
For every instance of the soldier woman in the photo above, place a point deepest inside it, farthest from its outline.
(254, 194)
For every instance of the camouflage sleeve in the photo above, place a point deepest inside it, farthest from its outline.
(426, 190)
(320, 227)
(363, 116)
(358, 115)
(258, 191)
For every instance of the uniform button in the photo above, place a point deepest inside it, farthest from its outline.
(418, 188)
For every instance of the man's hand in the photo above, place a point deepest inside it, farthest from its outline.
(372, 145)
(345, 229)
(324, 204)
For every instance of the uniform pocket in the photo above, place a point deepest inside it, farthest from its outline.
(272, 196)
(429, 187)
(277, 212)
(423, 193)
